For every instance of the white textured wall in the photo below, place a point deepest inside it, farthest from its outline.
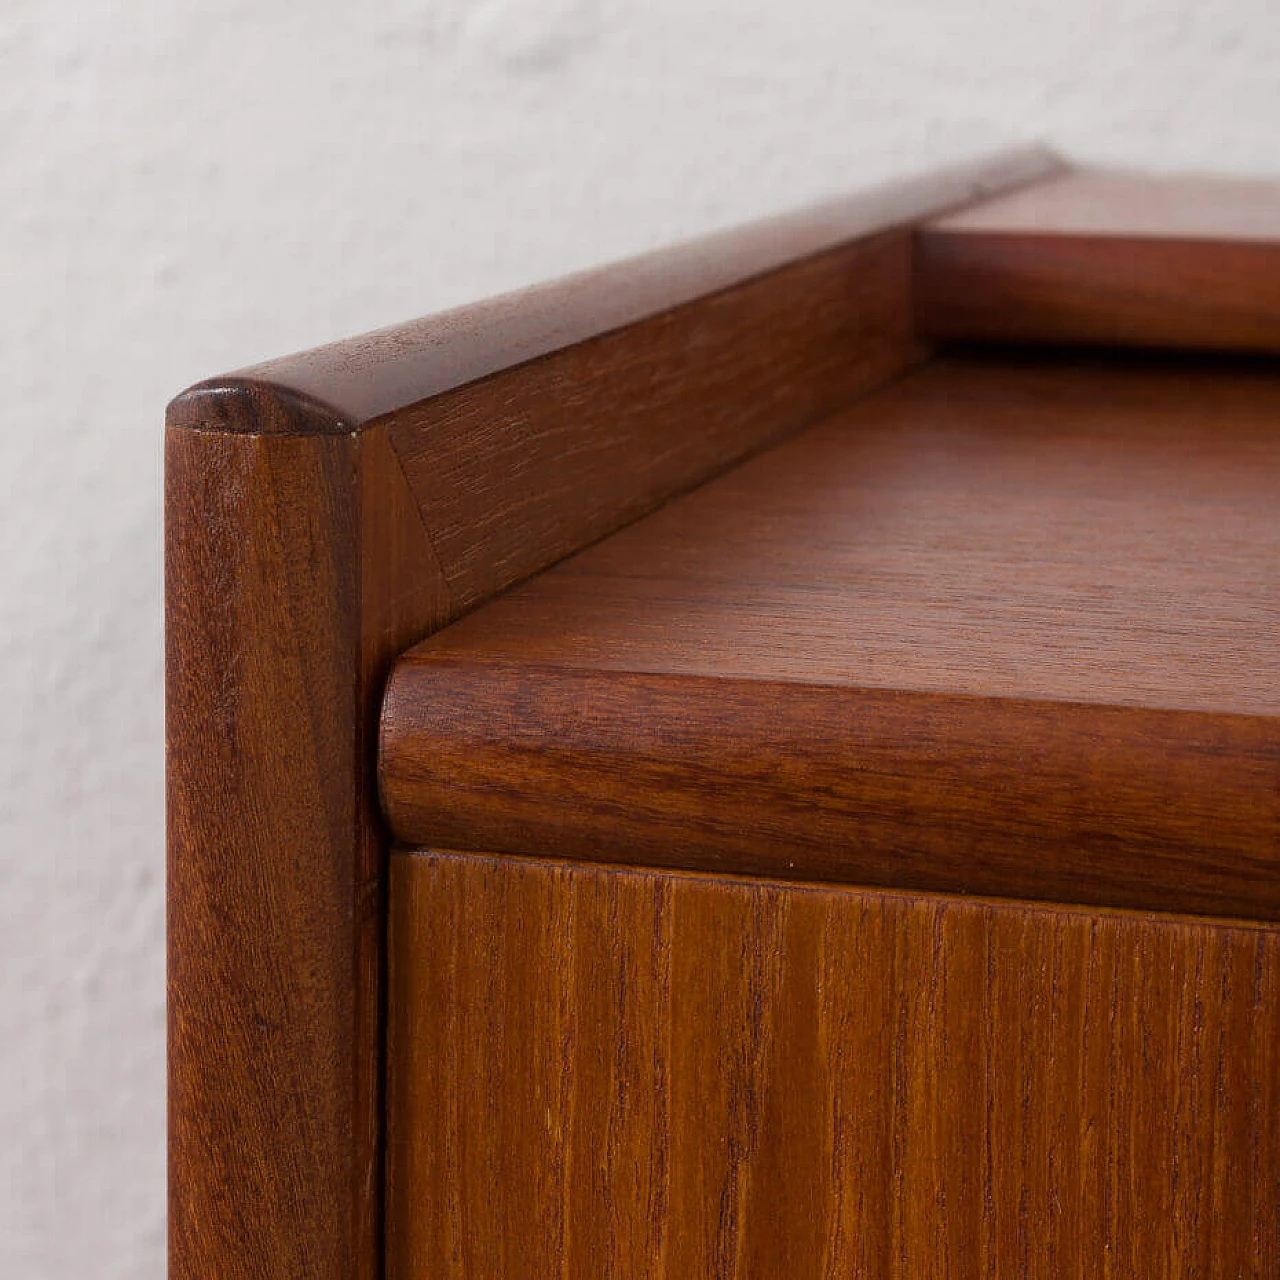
(192, 184)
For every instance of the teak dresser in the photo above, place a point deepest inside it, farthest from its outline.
(761, 761)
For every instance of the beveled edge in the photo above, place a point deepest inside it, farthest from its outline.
(342, 386)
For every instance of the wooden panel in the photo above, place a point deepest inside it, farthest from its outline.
(604, 1072)
(309, 538)
(530, 425)
(1002, 628)
(294, 572)
(1108, 258)
(529, 465)
(515, 471)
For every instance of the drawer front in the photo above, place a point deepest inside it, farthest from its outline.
(605, 1072)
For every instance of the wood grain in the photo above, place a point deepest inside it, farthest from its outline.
(345, 385)
(1002, 628)
(262, 979)
(520, 469)
(294, 572)
(601, 1072)
(1103, 258)
(327, 510)
(514, 472)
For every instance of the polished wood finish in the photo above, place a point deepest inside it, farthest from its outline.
(325, 511)
(527, 466)
(993, 625)
(1003, 627)
(344, 385)
(1105, 258)
(602, 1072)
(295, 569)
(511, 473)
(262, 963)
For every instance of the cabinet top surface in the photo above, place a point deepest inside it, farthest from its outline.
(1084, 530)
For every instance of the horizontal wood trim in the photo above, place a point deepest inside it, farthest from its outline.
(344, 385)
(1002, 627)
(532, 425)
(1077, 529)
(1121, 807)
(608, 1072)
(521, 469)
(1107, 259)
(516, 471)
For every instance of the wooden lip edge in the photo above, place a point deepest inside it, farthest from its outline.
(939, 236)
(397, 732)
(984, 247)
(966, 221)
(342, 386)
(950, 264)
(1049, 906)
